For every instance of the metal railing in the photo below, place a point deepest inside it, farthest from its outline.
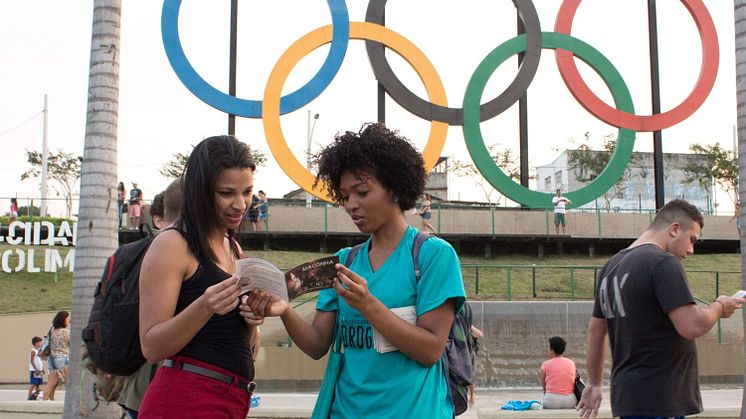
(576, 282)
(570, 281)
(530, 281)
(489, 216)
(524, 282)
(28, 207)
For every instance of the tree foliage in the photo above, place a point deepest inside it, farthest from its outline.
(32, 210)
(175, 167)
(505, 159)
(587, 164)
(720, 165)
(63, 168)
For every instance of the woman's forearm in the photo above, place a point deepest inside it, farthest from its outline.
(418, 341)
(308, 337)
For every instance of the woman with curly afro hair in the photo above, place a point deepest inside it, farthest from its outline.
(377, 175)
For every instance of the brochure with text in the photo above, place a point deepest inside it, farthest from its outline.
(255, 273)
(380, 343)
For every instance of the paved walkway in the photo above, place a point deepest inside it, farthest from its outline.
(299, 404)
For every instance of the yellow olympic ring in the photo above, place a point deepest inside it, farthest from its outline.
(314, 39)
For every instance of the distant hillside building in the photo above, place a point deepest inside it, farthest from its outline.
(437, 181)
(637, 191)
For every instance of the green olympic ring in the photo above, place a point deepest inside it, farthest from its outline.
(473, 133)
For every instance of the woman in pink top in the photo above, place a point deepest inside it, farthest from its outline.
(558, 377)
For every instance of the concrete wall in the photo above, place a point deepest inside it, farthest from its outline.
(17, 331)
(480, 221)
(514, 346)
(516, 335)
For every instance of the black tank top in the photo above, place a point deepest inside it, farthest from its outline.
(224, 340)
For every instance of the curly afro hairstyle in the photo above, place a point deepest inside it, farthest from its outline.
(378, 152)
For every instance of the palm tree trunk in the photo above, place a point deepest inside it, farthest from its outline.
(740, 18)
(97, 223)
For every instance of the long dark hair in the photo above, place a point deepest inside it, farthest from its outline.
(59, 319)
(198, 218)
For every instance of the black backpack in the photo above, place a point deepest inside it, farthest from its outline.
(459, 356)
(112, 336)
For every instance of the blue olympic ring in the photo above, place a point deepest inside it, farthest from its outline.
(245, 107)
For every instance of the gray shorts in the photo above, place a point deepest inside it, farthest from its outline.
(559, 401)
(559, 218)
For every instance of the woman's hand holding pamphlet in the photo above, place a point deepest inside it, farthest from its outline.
(259, 274)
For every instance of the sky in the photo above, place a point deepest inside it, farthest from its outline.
(45, 49)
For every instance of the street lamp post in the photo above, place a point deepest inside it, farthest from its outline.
(44, 162)
(309, 129)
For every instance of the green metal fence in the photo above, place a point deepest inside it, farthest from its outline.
(574, 282)
(568, 282)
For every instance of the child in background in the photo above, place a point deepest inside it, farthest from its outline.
(36, 369)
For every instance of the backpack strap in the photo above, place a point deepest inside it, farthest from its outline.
(419, 240)
(103, 285)
(352, 253)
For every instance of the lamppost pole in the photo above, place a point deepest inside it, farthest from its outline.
(309, 131)
(44, 162)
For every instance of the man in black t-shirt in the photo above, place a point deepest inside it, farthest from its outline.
(644, 304)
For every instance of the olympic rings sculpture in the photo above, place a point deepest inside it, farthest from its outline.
(435, 109)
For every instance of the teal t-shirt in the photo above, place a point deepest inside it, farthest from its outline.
(392, 385)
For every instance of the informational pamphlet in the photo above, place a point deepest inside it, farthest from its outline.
(259, 274)
(380, 343)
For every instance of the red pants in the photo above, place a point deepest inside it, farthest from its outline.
(175, 393)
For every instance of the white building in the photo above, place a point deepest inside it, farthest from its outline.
(637, 190)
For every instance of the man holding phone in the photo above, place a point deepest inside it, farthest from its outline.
(644, 304)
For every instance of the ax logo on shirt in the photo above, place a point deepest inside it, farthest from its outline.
(610, 296)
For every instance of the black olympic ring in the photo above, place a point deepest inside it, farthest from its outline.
(455, 116)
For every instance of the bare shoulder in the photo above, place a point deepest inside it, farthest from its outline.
(169, 246)
(171, 238)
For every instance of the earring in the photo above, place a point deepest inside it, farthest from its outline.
(396, 198)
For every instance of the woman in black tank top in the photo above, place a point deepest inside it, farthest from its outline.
(189, 295)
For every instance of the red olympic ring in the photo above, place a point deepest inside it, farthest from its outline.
(646, 123)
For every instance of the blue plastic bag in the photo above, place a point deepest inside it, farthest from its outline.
(521, 405)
